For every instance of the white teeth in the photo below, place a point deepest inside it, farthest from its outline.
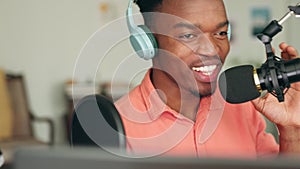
(206, 70)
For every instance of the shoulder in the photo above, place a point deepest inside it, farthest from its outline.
(245, 115)
(131, 99)
(247, 110)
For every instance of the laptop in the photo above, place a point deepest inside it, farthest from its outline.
(96, 158)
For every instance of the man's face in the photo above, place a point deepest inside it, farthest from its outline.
(193, 44)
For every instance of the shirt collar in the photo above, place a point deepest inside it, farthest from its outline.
(156, 107)
(154, 104)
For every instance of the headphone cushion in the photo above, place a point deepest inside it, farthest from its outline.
(229, 32)
(150, 35)
(144, 42)
(136, 45)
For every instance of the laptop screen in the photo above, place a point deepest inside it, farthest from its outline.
(92, 158)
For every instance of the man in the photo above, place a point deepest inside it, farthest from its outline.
(177, 109)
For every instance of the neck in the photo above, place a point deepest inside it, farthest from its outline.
(179, 99)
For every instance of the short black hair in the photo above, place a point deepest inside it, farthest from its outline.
(148, 5)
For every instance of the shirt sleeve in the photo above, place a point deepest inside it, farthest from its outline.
(266, 145)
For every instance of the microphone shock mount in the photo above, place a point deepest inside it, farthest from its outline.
(274, 66)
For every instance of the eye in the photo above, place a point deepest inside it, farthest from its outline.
(221, 35)
(187, 37)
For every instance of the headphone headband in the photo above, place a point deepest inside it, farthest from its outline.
(130, 21)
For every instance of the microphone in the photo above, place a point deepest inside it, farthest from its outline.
(244, 83)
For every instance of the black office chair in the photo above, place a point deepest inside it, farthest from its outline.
(96, 122)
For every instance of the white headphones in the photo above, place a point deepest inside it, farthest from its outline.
(142, 39)
(229, 32)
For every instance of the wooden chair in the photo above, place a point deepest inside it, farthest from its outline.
(17, 119)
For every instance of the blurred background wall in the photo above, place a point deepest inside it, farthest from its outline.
(42, 40)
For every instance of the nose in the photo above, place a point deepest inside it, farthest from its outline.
(206, 46)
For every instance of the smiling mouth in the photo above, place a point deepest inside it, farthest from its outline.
(205, 70)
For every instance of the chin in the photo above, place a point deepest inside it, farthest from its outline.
(207, 90)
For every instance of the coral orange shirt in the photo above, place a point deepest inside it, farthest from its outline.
(220, 130)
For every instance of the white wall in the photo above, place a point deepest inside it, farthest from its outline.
(293, 27)
(42, 40)
(246, 48)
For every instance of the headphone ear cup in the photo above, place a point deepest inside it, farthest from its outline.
(229, 32)
(149, 35)
(144, 42)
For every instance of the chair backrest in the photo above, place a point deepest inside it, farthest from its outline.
(21, 114)
(96, 122)
(6, 112)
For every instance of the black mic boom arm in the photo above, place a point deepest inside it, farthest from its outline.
(275, 65)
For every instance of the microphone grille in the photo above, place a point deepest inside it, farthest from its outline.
(237, 84)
